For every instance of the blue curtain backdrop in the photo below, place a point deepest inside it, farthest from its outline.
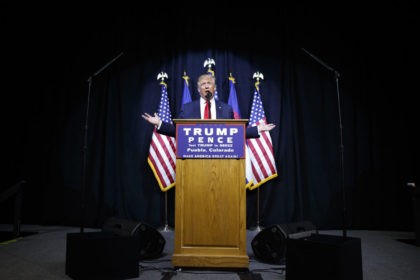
(45, 109)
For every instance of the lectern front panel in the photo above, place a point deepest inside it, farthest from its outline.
(211, 181)
(210, 207)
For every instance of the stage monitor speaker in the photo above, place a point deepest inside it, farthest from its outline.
(152, 242)
(101, 255)
(269, 245)
(326, 257)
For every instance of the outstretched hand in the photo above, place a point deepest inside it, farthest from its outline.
(155, 120)
(266, 127)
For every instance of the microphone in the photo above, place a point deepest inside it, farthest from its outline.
(208, 95)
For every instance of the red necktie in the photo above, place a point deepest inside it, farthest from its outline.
(207, 112)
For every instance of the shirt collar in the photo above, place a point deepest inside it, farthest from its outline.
(203, 100)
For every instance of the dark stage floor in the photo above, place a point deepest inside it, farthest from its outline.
(41, 254)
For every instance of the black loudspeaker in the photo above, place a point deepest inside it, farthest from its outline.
(269, 245)
(324, 257)
(102, 255)
(151, 241)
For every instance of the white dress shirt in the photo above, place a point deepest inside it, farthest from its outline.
(212, 108)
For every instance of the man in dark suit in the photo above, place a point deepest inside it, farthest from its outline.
(204, 108)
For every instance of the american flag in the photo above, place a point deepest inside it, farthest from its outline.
(261, 149)
(163, 148)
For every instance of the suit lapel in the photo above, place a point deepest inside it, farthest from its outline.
(196, 110)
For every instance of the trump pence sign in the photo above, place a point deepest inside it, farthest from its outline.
(210, 140)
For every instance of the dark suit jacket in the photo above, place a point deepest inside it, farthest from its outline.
(191, 110)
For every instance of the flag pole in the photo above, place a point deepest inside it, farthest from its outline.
(166, 227)
(257, 75)
(186, 97)
(162, 76)
(258, 228)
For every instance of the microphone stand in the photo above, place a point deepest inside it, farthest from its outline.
(337, 75)
(85, 145)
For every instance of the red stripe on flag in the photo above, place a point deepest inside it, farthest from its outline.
(270, 152)
(255, 174)
(164, 161)
(162, 181)
(252, 143)
(267, 151)
(168, 155)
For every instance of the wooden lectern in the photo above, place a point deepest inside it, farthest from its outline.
(210, 204)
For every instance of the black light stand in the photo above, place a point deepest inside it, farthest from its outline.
(85, 145)
(337, 75)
